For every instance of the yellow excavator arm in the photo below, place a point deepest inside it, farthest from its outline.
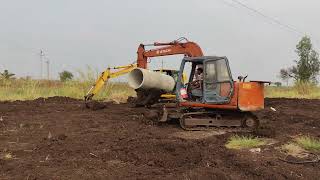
(105, 76)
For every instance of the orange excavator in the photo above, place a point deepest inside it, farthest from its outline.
(179, 46)
(210, 96)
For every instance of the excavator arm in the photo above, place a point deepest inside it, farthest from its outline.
(105, 76)
(179, 46)
(188, 48)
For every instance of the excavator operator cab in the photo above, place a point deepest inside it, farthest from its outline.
(210, 80)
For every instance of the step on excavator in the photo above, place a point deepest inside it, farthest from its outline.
(179, 46)
(210, 97)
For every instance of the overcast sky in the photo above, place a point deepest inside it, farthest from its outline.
(99, 33)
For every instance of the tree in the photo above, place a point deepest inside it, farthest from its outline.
(7, 75)
(307, 67)
(284, 75)
(65, 76)
(278, 84)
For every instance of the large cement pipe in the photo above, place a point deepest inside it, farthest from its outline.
(146, 79)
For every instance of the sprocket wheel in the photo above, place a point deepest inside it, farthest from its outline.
(251, 121)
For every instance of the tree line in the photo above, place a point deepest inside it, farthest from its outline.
(64, 75)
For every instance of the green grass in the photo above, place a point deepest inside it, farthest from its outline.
(301, 146)
(244, 142)
(297, 91)
(32, 89)
(308, 143)
(27, 89)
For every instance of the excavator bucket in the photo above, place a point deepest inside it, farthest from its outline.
(95, 105)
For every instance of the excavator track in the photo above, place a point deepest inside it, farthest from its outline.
(147, 98)
(235, 121)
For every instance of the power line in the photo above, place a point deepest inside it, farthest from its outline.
(229, 4)
(269, 17)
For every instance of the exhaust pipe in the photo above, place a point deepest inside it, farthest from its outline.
(143, 79)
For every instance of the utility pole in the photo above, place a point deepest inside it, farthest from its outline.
(41, 62)
(161, 64)
(48, 69)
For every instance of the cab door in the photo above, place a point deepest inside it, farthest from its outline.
(217, 81)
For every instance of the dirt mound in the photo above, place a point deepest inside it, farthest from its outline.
(58, 138)
(56, 99)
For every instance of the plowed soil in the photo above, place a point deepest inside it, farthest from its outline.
(58, 138)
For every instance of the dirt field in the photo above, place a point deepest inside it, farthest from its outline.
(57, 138)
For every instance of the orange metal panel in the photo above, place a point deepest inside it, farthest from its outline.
(234, 98)
(251, 96)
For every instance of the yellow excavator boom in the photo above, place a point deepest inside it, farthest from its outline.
(105, 76)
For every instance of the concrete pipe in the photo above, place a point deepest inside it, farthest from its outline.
(146, 79)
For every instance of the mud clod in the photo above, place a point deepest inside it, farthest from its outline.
(95, 105)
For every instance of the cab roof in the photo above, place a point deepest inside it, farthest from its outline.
(203, 58)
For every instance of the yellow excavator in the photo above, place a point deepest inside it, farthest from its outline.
(105, 76)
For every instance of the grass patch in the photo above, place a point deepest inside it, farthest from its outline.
(304, 88)
(294, 149)
(297, 91)
(7, 156)
(308, 143)
(244, 142)
(32, 89)
(28, 89)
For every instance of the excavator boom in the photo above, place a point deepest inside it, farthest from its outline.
(105, 76)
(188, 48)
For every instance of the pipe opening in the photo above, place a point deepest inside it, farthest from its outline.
(135, 78)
